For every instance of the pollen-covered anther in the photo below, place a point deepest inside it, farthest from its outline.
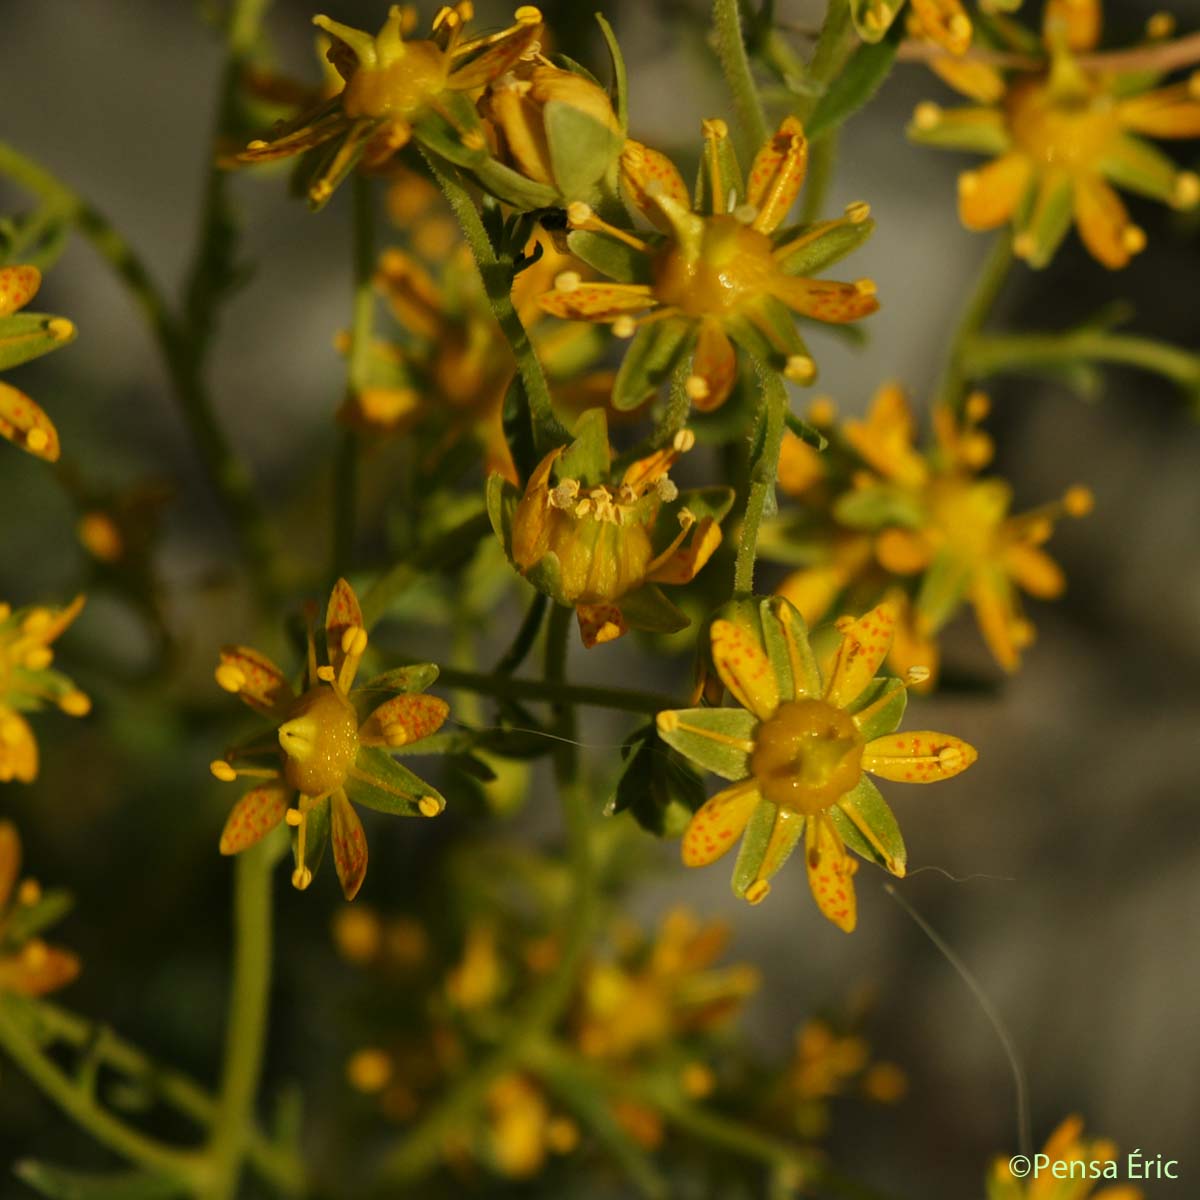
(1160, 25)
(395, 735)
(857, 211)
(528, 14)
(473, 139)
(666, 489)
(757, 892)
(1078, 500)
(714, 127)
(222, 770)
(38, 659)
(60, 329)
(301, 878)
(326, 674)
(565, 494)
(800, 368)
(977, 406)
(927, 115)
(256, 144)
(624, 326)
(667, 722)
(35, 954)
(430, 806)
(696, 387)
(294, 817)
(683, 441)
(579, 214)
(568, 281)
(950, 758)
(37, 439)
(231, 678)
(865, 287)
(687, 518)
(1024, 245)
(627, 494)
(1186, 192)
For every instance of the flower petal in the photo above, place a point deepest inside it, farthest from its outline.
(715, 363)
(744, 669)
(992, 597)
(1170, 112)
(253, 677)
(597, 301)
(944, 22)
(918, 756)
(404, 720)
(777, 174)
(1103, 222)
(989, 196)
(18, 285)
(683, 563)
(646, 174)
(343, 623)
(253, 817)
(830, 873)
(25, 425)
(718, 823)
(864, 646)
(18, 748)
(349, 845)
(825, 300)
(600, 623)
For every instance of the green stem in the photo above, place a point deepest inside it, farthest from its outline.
(516, 654)
(345, 478)
(835, 44)
(497, 276)
(731, 50)
(674, 418)
(763, 473)
(85, 1110)
(247, 1020)
(951, 390)
(993, 354)
(274, 1163)
(419, 1151)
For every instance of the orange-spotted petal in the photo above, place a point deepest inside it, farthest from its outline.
(718, 823)
(253, 817)
(597, 301)
(918, 756)
(600, 623)
(647, 174)
(830, 873)
(744, 668)
(349, 845)
(343, 625)
(777, 174)
(714, 365)
(989, 195)
(24, 424)
(18, 285)
(253, 677)
(825, 300)
(864, 646)
(403, 720)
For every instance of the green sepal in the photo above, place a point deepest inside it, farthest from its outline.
(382, 688)
(26, 335)
(830, 242)
(656, 786)
(877, 506)
(872, 810)
(1049, 220)
(613, 259)
(982, 132)
(546, 576)
(886, 698)
(731, 179)
(389, 787)
(434, 131)
(581, 148)
(777, 614)
(650, 358)
(332, 164)
(757, 857)
(587, 458)
(857, 83)
(57, 1183)
(515, 419)
(648, 609)
(316, 837)
(502, 501)
(28, 920)
(501, 181)
(730, 762)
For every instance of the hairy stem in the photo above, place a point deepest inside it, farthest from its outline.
(763, 473)
(731, 50)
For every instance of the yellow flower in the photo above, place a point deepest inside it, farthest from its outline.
(720, 271)
(1061, 138)
(796, 752)
(1066, 1146)
(28, 966)
(600, 547)
(331, 746)
(24, 336)
(395, 90)
(28, 682)
(521, 1129)
(656, 993)
(944, 22)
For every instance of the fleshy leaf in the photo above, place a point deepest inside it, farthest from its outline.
(785, 637)
(581, 148)
(30, 335)
(880, 707)
(613, 259)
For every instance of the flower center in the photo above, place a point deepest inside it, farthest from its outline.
(1057, 129)
(967, 515)
(320, 741)
(807, 756)
(400, 88)
(734, 264)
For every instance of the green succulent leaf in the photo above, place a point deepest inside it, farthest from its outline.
(822, 244)
(613, 259)
(780, 617)
(862, 77)
(581, 148)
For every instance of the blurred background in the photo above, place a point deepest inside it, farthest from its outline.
(1063, 869)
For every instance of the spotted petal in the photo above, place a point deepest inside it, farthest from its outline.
(718, 823)
(254, 816)
(24, 424)
(597, 301)
(830, 873)
(349, 845)
(404, 720)
(863, 648)
(18, 285)
(918, 756)
(260, 683)
(1103, 222)
(342, 616)
(715, 363)
(777, 174)
(824, 300)
(600, 623)
(647, 174)
(744, 668)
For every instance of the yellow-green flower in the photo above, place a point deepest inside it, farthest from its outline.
(331, 746)
(928, 532)
(1061, 138)
(396, 90)
(603, 546)
(24, 336)
(723, 273)
(944, 22)
(28, 966)
(1066, 1145)
(796, 753)
(28, 682)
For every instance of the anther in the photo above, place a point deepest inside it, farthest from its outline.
(231, 678)
(354, 640)
(696, 387)
(528, 14)
(687, 518)
(968, 183)
(430, 806)
(857, 212)
(1160, 25)
(865, 287)
(822, 412)
(624, 326)
(326, 674)
(37, 439)
(927, 115)
(35, 954)
(950, 758)
(395, 734)
(256, 144)
(757, 892)
(565, 494)
(977, 407)
(301, 878)
(38, 659)
(683, 441)
(915, 676)
(1133, 238)
(800, 368)
(666, 489)
(1024, 244)
(562, 1135)
(369, 1070)
(579, 214)
(1186, 191)
(1078, 501)
(745, 213)
(714, 127)
(60, 329)
(294, 817)
(667, 722)
(75, 703)
(568, 281)
(29, 893)
(222, 770)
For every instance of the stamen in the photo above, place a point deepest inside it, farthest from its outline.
(354, 641)
(1186, 191)
(565, 494)
(222, 770)
(865, 287)
(583, 216)
(293, 817)
(745, 213)
(1160, 25)
(528, 14)
(624, 326)
(915, 676)
(857, 212)
(683, 441)
(326, 674)
(229, 677)
(666, 489)
(38, 659)
(395, 734)
(800, 368)
(568, 281)
(977, 407)
(37, 439)
(950, 758)
(430, 806)
(60, 329)
(301, 878)
(757, 892)
(1078, 500)
(1133, 239)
